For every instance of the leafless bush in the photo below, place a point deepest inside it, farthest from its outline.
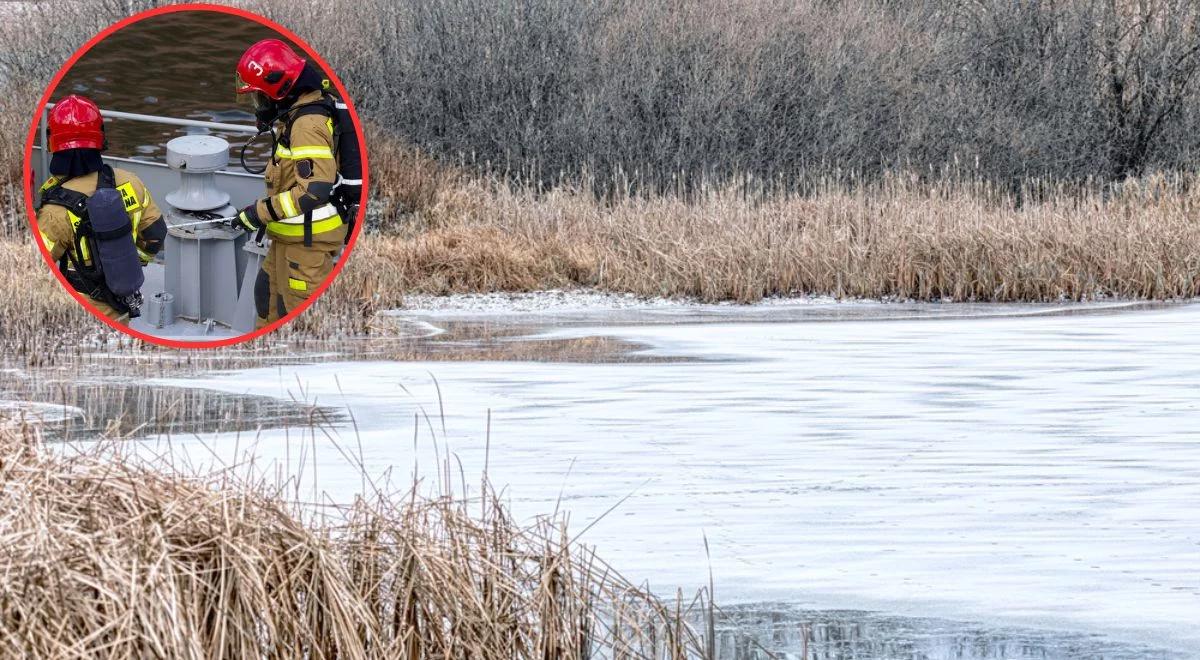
(665, 92)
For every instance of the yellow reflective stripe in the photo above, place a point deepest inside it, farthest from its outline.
(84, 256)
(146, 257)
(320, 213)
(50, 183)
(287, 204)
(311, 152)
(297, 285)
(303, 152)
(319, 227)
(47, 242)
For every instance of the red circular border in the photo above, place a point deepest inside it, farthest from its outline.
(29, 180)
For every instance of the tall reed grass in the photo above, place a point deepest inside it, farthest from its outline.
(443, 232)
(112, 558)
(903, 237)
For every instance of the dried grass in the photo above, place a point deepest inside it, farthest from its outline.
(435, 230)
(902, 238)
(108, 558)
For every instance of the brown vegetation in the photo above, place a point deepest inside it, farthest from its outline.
(1067, 89)
(105, 559)
(899, 238)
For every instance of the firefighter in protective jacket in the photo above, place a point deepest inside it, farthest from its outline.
(100, 249)
(307, 231)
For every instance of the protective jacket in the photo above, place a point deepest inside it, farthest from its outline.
(301, 175)
(58, 225)
(306, 230)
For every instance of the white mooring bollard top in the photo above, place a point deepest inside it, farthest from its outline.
(196, 158)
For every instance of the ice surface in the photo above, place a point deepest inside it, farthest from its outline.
(1039, 471)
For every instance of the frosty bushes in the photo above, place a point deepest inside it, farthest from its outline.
(712, 90)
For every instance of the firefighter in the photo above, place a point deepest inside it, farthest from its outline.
(292, 100)
(98, 222)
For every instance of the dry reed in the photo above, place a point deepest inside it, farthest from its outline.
(110, 558)
(902, 238)
(443, 232)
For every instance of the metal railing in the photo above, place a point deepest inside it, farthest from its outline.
(133, 116)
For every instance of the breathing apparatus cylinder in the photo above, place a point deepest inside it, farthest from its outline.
(116, 254)
(348, 193)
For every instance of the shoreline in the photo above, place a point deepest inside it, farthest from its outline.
(587, 305)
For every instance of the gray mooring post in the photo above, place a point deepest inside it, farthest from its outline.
(204, 264)
(247, 313)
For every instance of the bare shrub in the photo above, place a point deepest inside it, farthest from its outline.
(660, 93)
(668, 94)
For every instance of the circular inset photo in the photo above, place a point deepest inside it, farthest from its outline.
(195, 175)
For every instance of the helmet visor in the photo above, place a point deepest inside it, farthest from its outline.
(240, 87)
(247, 94)
(252, 98)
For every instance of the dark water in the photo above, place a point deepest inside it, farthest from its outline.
(176, 65)
(780, 631)
(131, 408)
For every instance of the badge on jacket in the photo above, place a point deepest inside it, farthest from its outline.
(305, 168)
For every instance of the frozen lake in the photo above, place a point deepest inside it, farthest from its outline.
(1026, 471)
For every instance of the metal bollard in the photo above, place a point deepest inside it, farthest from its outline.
(160, 310)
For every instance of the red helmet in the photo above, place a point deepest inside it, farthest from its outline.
(75, 123)
(270, 67)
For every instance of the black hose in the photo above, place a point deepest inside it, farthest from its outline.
(282, 116)
(242, 155)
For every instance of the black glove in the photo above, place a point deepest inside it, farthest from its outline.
(346, 199)
(248, 218)
(350, 195)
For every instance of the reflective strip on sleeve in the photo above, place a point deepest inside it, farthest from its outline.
(299, 153)
(297, 285)
(311, 152)
(287, 204)
(47, 242)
